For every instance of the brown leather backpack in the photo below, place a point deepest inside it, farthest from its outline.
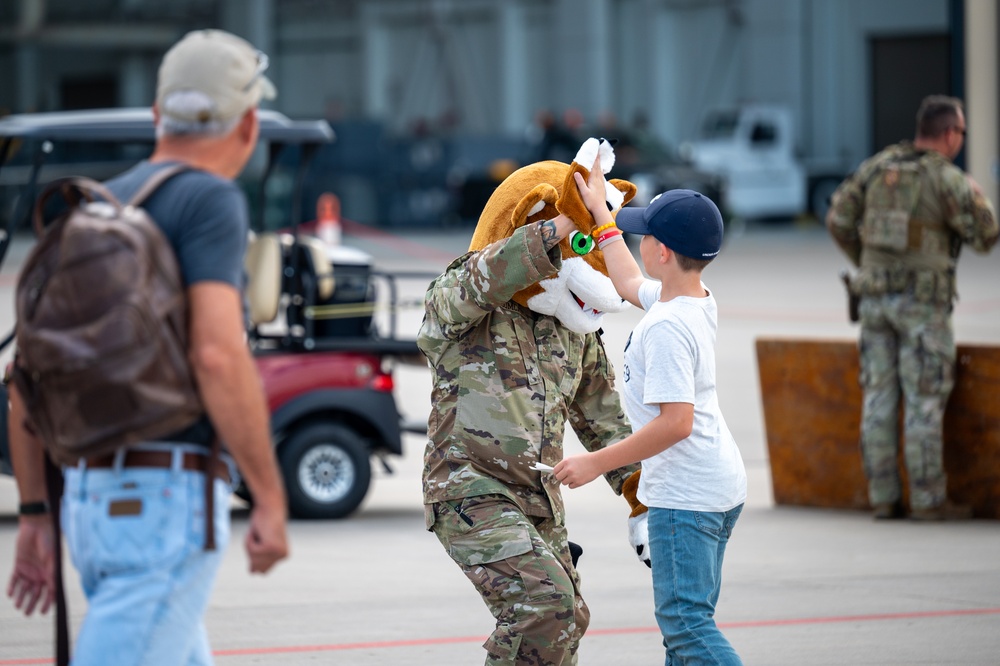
(102, 325)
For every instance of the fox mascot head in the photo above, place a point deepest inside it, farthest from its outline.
(581, 292)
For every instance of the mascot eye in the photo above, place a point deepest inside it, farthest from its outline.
(581, 243)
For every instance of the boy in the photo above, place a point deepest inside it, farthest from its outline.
(693, 479)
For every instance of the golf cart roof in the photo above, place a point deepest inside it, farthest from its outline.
(136, 124)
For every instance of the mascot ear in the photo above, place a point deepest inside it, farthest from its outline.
(535, 201)
(625, 187)
(571, 203)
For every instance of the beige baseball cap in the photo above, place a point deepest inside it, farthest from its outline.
(226, 68)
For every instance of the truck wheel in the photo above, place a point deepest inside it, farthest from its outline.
(326, 469)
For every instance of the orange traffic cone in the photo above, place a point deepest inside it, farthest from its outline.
(328, 218)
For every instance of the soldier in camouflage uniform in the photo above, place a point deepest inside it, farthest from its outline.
(506, 379)
(903, 218)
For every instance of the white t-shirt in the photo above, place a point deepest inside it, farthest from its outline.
(670, 357)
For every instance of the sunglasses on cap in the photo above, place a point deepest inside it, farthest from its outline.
(262, 64)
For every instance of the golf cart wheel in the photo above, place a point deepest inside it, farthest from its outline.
(326, 469)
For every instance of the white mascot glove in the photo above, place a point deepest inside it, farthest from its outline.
(638, 536)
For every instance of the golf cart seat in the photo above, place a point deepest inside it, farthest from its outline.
(315, 262)
(267, 254)
(264, 272)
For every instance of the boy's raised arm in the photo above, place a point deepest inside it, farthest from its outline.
(622, 267)
(624, 271)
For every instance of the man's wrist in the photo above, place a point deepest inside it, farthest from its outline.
(33, 508)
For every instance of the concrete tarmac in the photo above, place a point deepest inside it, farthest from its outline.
(801, 586)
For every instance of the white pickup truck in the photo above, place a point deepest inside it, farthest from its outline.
(752, 147)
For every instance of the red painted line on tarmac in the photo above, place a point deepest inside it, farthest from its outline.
(837, 619)
(381, 645)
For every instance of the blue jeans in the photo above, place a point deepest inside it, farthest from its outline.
(686, 550)
(136, 537)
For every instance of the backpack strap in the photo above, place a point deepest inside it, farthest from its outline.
(212, 460)
(76, 188)
(54, 488)
(73, 190)
(153, 183)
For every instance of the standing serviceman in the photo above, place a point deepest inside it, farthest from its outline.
(134, 520)
(902, 218)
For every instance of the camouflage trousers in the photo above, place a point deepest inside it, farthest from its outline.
(522, 567)
(907, 347)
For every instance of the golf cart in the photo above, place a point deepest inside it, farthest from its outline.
(323, 345)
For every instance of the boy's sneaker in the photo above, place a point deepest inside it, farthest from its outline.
(888, 511)
(945, 511)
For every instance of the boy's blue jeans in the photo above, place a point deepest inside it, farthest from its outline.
(136, 536)
(686, 550)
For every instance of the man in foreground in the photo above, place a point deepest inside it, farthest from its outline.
(135, 521)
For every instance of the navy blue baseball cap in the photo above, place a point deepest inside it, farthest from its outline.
(686, 221)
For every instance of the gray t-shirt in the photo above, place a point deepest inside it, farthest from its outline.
(202, 215)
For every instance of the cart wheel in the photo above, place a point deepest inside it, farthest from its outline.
(326, 469)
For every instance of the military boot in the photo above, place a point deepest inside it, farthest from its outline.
(945, 511)
(888, 511)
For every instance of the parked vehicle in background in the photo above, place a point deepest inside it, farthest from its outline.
(752, 148)
(427, 180)
(441, 180)
(654, 167)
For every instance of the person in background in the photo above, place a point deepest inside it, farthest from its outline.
(902, 218)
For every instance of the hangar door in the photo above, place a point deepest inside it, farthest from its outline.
(904, 71)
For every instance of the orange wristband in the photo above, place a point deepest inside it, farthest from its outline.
(597, 232)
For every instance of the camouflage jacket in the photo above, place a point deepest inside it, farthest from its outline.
(506, 380)
(935, 216)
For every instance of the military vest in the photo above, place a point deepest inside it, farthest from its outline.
(906, 244)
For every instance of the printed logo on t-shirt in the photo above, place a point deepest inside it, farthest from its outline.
(627, 374)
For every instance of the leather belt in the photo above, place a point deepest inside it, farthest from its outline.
(194, 462)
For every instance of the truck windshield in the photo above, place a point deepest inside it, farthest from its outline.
(719, 125)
